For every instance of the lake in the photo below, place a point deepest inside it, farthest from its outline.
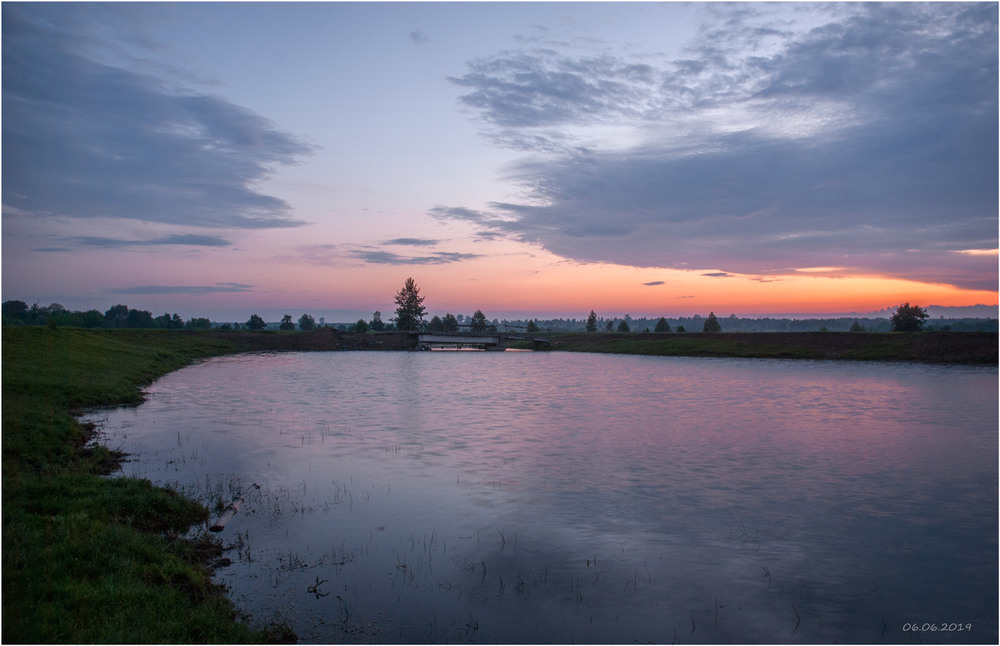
(523, 497)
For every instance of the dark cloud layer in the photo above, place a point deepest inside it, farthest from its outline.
(183, 289)
(376, 257)
(86, 139)
(867, 144)
(183, 240)
(412, 242)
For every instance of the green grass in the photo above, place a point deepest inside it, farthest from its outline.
(88, 558)
(938, 347)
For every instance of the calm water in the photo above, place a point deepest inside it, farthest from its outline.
(554, 497)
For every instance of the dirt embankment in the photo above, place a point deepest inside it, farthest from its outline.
(318, 340)
(935, 347)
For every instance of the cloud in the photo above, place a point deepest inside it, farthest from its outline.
(717, 274)
(184, 289)
(388, 258)
(418, 37)
(191, 240)
(653, 283)
(867, 142)
(543, 88)
(87, 139)
(414, 242)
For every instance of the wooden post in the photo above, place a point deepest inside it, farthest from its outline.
(231, 510)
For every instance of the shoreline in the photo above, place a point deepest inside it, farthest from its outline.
(974, 348)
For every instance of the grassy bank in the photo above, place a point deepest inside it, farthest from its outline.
(935, 347)
(86, 558)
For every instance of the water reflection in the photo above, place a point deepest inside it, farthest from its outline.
(520, 497)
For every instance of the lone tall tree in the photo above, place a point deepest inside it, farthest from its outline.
(409, 307)
(479, 321)
(711, 324)
(908, 318)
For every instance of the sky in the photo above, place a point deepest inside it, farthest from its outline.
(526, 159)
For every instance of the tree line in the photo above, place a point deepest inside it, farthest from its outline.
(410, 315)
(118, 316)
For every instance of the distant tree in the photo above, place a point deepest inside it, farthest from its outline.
(711, 324)
(908, 318)
(376, 324)
(532, 327)
(199, 324)
(15, 310)
(610, 325)
(662, 326)
(90, 319)
(410, 308)
(139, 318)
(226, 327)
(436, 324)
(592, 322)
(680, 329)
(117, 316)
(623, 327)
(306, 322)
(361, 327)
(255, 323)
(479, 321)
(450, 323)
(286, 323)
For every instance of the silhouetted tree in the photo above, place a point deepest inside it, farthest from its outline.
(662, 326)
(16, 310)
(532, 327)
(255, 323)
(376, 324)
(680, 328)
(623, 327)
(436, 324)
(711, 324)
(409, 307)
(306, 322)
(857, 327)
(450, 323)
(90, 318)
(908, 318)
(610, 325)
(592, 322)
(361, 327)
(117, 316)
(199, 324)
(286, 323)
(139, 318)
(479, 321)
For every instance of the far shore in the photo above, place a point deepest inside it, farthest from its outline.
(933, 347)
